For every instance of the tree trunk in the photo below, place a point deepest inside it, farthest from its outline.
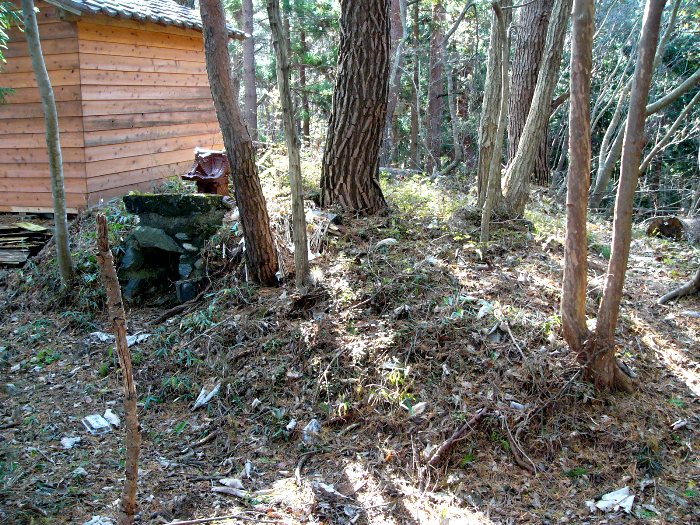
(415, 112)
(530, 36)
(436, 90)
(493, 192)
(349, 175)
(128, 505)
(398, 38)
(280, 42)
(603, 368)
(53, 143)
(573, 298)
(260, 248)
(488, 124)
(250, 115)
(518, 173)
(305, 107)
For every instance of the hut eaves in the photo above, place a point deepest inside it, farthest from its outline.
(166, 12)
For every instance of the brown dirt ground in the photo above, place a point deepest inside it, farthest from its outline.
(431, 319)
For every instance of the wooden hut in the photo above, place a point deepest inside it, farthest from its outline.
(133, 100)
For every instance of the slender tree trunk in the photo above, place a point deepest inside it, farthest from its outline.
(53, 143)
(398, 39)
(488, 124)
(493, 193)
(305, 107)
(530, 36)
(415, 112)
(351, 156)
(280, 43)
(518, 173)
(436, 89)
(603, 368)
(250, 115)
(260, 248)
(128, 505)
(573, 299)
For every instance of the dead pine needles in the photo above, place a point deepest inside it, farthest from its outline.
(115, 306)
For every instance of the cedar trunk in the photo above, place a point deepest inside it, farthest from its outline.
(349, 175)
(53, 143)
(260, 248)
(305, 107)
(280, 43)
(436, 90)
(415, 110)
(603, 368)
(517, 177)
(398, 36)
(573, 300)
(250, 114)
(529, 39)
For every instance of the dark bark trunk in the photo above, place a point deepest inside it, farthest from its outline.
(529, 40)
(250, 115)
(260, 248)
(436, 90)
(603, 368)
(349, 175)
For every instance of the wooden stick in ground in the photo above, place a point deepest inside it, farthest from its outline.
(115, 307)
(459, 434)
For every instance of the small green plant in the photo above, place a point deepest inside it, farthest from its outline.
(499, 438)
(104, 369)
(677, 402)
(467, 460)
(576, 472)
(691, 491)
(47, 356)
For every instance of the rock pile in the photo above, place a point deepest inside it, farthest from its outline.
(166, 246)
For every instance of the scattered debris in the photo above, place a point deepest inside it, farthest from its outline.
(100, 520)
(205, 395)
(612, 501)
(95, 424)
(112, 418)
(69, 442)
(79, 472)
(385, 243)
(131, 340)
(311, 431)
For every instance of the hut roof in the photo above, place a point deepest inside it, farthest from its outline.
(166, 12)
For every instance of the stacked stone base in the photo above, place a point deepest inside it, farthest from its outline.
(166, 246)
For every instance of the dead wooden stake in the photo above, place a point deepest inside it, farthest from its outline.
(115, 307)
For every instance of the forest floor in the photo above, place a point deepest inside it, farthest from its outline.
(397, 346)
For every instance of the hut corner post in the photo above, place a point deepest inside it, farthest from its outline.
(116, 313)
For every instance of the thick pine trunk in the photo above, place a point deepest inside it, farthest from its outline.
(517, 177)
(250, 115)
(529, 39)
(349, 175)
(436, 89)
(53, 143)
(260, 248)
(281, 45)
(603, 367)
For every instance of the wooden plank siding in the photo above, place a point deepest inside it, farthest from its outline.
(25, 183)
(146, 103)
(133, 101)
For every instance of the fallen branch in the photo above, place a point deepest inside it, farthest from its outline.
(458, 435)
(688, 288)
(127, 508)
(221, 518)
(178, 309)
